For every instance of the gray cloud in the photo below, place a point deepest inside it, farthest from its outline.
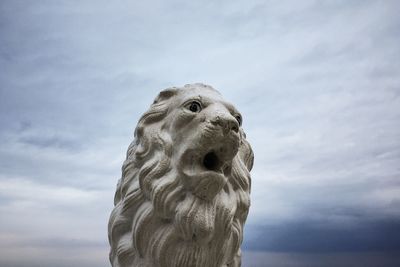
(309, 237)
(278, 259)
(53, 141)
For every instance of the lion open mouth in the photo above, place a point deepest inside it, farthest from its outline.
(217, 163)
(212, 162)
(206, 171)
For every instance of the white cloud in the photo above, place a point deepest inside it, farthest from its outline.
(22, 190)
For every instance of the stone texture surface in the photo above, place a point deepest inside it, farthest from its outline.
(184, 193)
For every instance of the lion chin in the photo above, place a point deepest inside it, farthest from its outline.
(184, 193)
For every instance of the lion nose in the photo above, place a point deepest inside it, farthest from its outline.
(233, 125)
(227, 122)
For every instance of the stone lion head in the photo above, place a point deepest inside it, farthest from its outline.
(184, 193)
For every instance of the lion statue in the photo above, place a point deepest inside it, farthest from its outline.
(183, 197)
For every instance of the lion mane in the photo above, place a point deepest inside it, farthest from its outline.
(161, 219)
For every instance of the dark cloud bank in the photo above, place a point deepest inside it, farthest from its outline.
(308, 237)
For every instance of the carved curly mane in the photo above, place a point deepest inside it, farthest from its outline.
(154, 214)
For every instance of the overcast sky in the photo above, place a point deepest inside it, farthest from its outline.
(317, 82)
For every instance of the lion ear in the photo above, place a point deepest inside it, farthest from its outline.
(166, 94)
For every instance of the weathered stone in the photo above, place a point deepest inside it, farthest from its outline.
(184, 193)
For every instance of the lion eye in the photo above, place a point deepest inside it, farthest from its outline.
(195, 106)
(239, 119)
